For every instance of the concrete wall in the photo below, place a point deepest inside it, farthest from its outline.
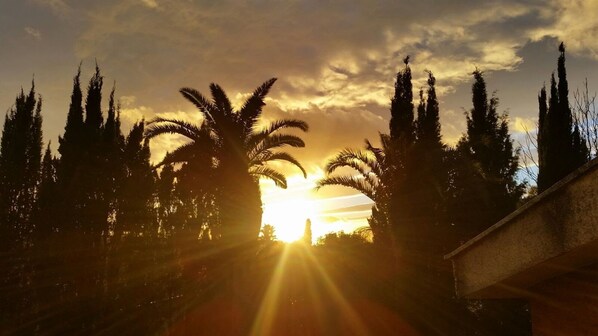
(555, 233)
(566, 305)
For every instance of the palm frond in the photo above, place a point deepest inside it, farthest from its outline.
(275, 141)
(156, 129)
(353, 182)
(276, 125)
(279, 156)
(182, 154)
(364, 170)
(220, 99)
(269, 173)
(201, 102)
(191, 127)
(287, 123)
(355, 159)
(252, 108)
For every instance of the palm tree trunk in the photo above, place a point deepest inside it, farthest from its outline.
(240, 208)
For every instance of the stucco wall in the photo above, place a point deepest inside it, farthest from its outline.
(566, 305)
(555, 233)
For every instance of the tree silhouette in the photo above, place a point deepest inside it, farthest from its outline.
(429, 179)
(485, 180)
(268, 233)
(561, 146)
(402, 128)
(373, 179)
(307, 234)
(20, 161)
(237, 154)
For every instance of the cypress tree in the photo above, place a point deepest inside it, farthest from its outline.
(46, 203)
(93, 104)
(561, 147)
(136, 196)
(70, 144)
(581, 153)
(111, 160)
(485, 190)
(401, 120)
(88, 173)
(165, 190)
(93, 178)
(428, 120)
(542, 136)
(486, 182)
(20, 160)
(402, 137)
(430, 177)
(307, 234)
(71, 149)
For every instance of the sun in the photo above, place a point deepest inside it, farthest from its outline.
(287, 210)
(288, 217)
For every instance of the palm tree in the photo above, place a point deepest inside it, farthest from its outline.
(373, 179)
(231, 154)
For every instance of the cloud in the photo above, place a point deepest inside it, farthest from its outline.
(523, 125)
(572, 22)
(58, 7)
(36, 34)
(150, 3)
(361, 40)
(338, 68)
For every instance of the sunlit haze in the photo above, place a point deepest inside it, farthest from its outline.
(288, 210)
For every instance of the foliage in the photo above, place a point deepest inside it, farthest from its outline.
(20, 161)
(373, 180)
(267, 233)
(227, 152)
(101, 241)
(562, 145)
(485, 186)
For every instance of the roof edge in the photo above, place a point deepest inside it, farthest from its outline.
(545, 194)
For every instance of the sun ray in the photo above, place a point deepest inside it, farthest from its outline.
(262, 325)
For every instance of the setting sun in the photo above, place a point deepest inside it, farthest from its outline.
(287, 210)
(289, 217)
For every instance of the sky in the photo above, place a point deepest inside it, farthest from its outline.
(335, 62)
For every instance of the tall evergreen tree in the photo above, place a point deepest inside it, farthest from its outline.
(402, 128)
(95, 206)
(111, 160)
(307, 234)
(484, 190)
(71, 149)
(541, 137)
(401, 156)
(136, 195)
(561, 146)
(89, 171)
(430, 178)
(487, 188)
(20, 161)
(165, 192)
(46, 223)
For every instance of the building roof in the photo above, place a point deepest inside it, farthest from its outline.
(555, 232)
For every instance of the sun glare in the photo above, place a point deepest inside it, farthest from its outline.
(288, 217)
(287, 210)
